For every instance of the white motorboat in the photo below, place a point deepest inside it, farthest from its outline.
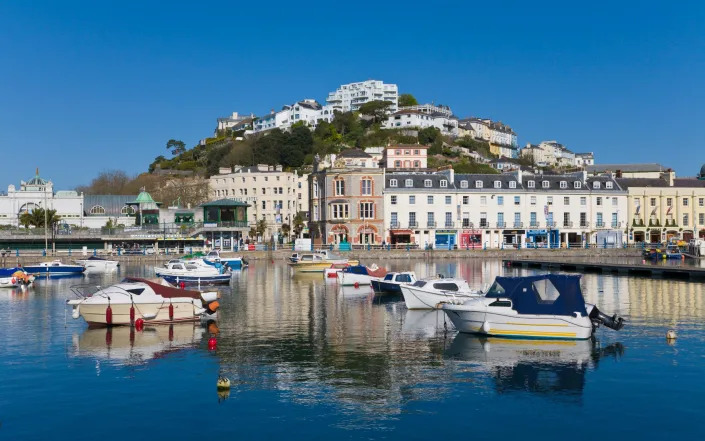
(55, 268)
(15, 277)
(135, 298)
(235, 262)
(359, 275)
(98, 264)
(331, 274)
(193, 271)
(392, 282)
(545, 306)
(431, 293)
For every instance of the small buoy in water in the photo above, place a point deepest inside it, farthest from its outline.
(671, 335)
(139, 324)
(223, 383)
(212, 343)
(356, 285)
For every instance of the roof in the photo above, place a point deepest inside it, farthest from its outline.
(353, 153)
(646, 167)
(225, 203)
(626, 183)
(418, 180)
(487, 180)
(553, 294)
(112, 203)
(143, 198)
(688, 182)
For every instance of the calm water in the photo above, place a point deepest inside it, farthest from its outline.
(308, 361)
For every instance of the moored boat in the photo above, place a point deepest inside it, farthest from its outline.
(359, 275)
(192, 273)
(392, 282)
(98, 264)
(316, 262)
(331, 273)
(546, 306)
(135, 298)
(55, 268)
(14, 277)
(431, 293)
(234, 262)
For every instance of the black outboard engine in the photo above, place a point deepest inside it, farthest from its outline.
(599, 318)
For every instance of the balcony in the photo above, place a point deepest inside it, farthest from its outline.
(394, 225)
(518, 224)
(501, 224)
(467, 223)
(616, 224)
(431, 224)
(567, 224)
(413, 224)
(600, 224)
(655, 223)
(484, 223)
(449, 224)
(533, 224)
(671, 223)
(584, 224)
(638, 223)
(551, 224)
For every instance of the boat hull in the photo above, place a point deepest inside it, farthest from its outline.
(220, 279)
(95, 314)
(389, 287)
(98, 265)
(512, 325)
(422, 299)
(6, 282)
(317, 267)
(350, 279)
(55, 271)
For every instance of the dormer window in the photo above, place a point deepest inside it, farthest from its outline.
(608, 185)
(497, 184)
(531, 184)
(577, 184)
(564, 184)
(427, 183)
(409, 183)
(392, 182)
(596, 185)
(444, 183)
(512, 184)
(544, 184)
(478, 184)
(463, 184)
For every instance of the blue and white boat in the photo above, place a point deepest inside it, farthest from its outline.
(177, 272)
(233, 262)
(392, 282)
(55, 269)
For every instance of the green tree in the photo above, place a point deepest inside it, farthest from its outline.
(26, 219)
(286, 229)
(298, 223)
(377, 110)
(261, 227)
(253, 232)
(175, 146)
(407, 99)
(159, 159)
(429, 135)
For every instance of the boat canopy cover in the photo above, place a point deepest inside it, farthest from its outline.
(8, 272)
(166, 291)
(363, 270)
(553, 294)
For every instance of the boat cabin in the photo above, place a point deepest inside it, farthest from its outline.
(400, 278)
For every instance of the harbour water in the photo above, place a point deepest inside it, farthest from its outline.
(309, 361)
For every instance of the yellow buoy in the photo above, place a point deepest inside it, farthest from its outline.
(671, 334)
(223, 383)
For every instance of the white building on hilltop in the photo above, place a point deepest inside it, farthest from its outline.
(235, 122)
(349, 97)
(308, 111)
(553, 153)
(415, 119)
(430, 109)
(501, 137)
(274, 195)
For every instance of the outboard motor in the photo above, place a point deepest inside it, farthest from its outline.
(599, 318)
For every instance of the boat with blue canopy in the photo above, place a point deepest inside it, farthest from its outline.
(55, 269)
(545, 306)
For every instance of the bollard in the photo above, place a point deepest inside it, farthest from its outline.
(17, 252)
(94, 252)
(69, 251)
(44, 252)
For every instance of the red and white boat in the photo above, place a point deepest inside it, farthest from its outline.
(360, 275)
(332, 272)
(152, 302)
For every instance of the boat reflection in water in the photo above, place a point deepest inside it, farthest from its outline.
(127, 346)
(545, 367)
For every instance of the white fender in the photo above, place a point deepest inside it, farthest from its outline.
(76, 312)
(486, 328)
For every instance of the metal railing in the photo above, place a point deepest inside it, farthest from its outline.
(431, 224)
(413, 224)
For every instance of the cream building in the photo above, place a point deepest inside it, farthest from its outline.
(273, 194)
(665, 208)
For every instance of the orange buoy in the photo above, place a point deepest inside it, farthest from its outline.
(213, 306)
(139, 324)
(109, 315)
(132, 315)
(356, 285)
(171, 311)
(212, 343)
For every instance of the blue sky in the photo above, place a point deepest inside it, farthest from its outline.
(87, 86)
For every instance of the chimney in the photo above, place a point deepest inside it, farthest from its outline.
(619, 174)
(668, 176)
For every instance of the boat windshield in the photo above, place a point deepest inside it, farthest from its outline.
(446, 286)
(388, 277)
(420, 283)
(403, 278)
(496, 290)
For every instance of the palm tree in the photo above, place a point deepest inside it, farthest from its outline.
(286, 229)
(26, 219)
(261, 227)
(298, 223)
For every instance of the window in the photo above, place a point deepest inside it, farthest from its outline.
(417, 164)
(392, 182)
(608, 185)
(466, 200)
(483, 219)
(409, 183)
(701, 202)
(577, 184)
(449, 219)
(533, 200)
(517, 200)
(367, 210)
(127, 210)
(685, 220)
(483, 200)
(583, 219)
(448, 200)
(500, 200)
(444, 183)
(531, 184)
(549, 200)
(566, 200)
(614, 201)
(669, 202)
(339, 187)
(701, 218)
(500, 219)
(544, 184)
(652, 202)
(598, 201)
(416, 152)
(397, 152)
(478, 184)
(264, 190)
(264, 205)
(393, 200)
(599, 220)
(497, 184)
(427, 183)
(463, 184)
(97, 209)
(429, 200)
(517, 220)
(339, 211)
(566, 219)
(393, 219)
(564, 184)
(512, 184)
(685, 202)
(412, 200)
(412, 219)
(596, 185)
(367, 187)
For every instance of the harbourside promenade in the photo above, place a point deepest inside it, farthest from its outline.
(379, 255)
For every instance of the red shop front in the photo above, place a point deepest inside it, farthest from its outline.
(470, 239)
